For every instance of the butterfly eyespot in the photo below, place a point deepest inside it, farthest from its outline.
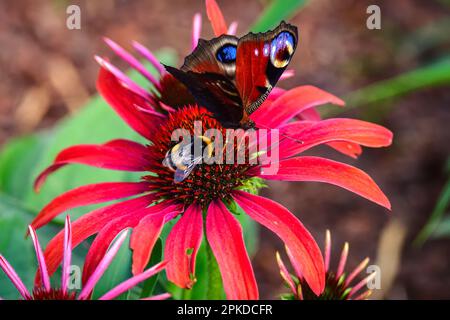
(281, 49)
(226, 53)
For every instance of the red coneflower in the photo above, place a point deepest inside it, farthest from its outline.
(44, 290)
(338, 284)
(168, 106)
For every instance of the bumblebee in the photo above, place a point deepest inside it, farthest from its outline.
(181, 158)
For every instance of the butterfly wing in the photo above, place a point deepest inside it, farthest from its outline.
(215, 92)
(260, 61)
(217, 55)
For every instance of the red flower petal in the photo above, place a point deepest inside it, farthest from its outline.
(86, 195)
(328, 171)
(127, 103)
(224, 234)
(111, 230)
(185, 235)
(350, 149)
(116, 155)
(348, 130)
(310, 114)
(295, 236)
(143, 239)
(275, 93)
(216, 18)
(292, 103)
(89, 224)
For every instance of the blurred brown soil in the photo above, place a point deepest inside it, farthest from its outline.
(48, 71)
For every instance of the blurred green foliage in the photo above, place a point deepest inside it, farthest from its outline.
(438, 224)
(275, 11)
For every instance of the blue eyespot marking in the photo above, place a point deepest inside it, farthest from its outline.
(281, 49)
(226, 53)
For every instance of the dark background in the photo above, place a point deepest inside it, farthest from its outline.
(47, 72)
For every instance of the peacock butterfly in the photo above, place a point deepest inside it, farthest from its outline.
(231, 77)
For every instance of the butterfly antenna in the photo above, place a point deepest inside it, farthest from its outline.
(282, 134)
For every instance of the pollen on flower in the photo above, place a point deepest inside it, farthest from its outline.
(207, 182)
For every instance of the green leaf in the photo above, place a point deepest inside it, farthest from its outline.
(276, 11)
(17, 163)
(18, 250)
(433, 225)
(435, 75)
(149, 285)
(443, 228)
(215, 289)
(14, 247)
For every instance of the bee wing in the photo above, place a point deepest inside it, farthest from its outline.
(180, 175)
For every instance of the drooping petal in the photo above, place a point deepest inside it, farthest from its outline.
(232, 28)
(143, 239)
(87, 195)
(146, 53)
(40, 258)
(310, 114)
(182, 246)
(289, 73)
(216, 18)
(67, 255)
(14, 277)
(162, 296)
(132, 61)
(123, 101)
(121, 155)
(113, 227)
(89, 224)
(296, 237)
(196, 29)
(123, 78)
(102, 266)
(353, 150)
(132, 282)
(292, 103)
(224, 235)
(350, 149)
(332, 130)
(329, 171)
(274, 94)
